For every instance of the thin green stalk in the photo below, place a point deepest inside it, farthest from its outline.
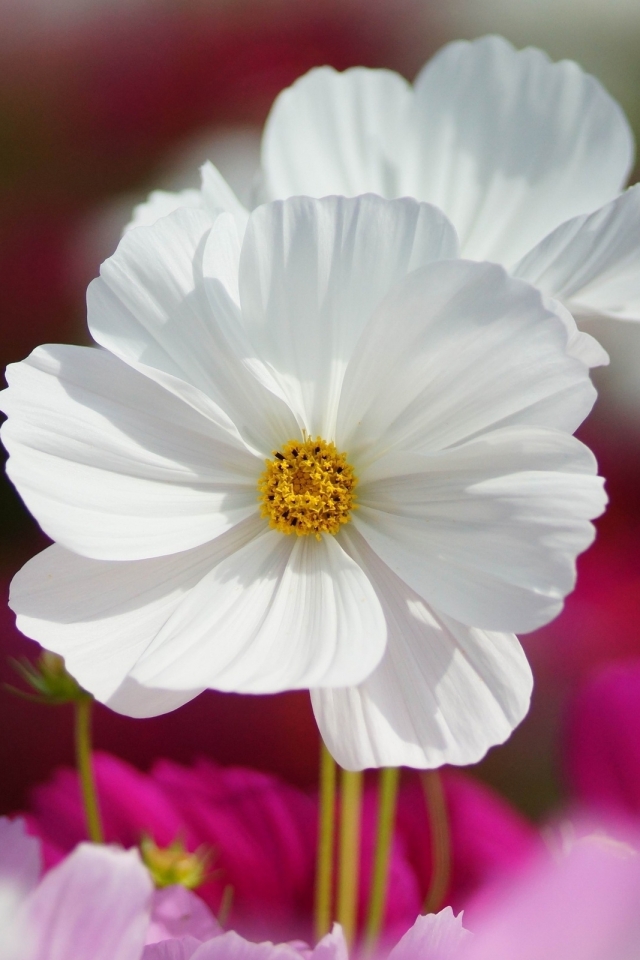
(326, 835)
(226, 903)
(85, 769)
(440, 840)
(387, 796)
(349, 850)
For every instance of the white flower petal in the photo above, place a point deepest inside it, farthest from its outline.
(510, 145)
(150, 308)
(458, 348)
(592, 262)
(443, 693)
(486, 532)
(214, 197)
(336, 133)
(132, 699)
(218, 197)
(580, 345)
(102, 615)
(160, 203)
(278, 614)
(311, 273)
(113, 466)
(95, 905)
(506, 143)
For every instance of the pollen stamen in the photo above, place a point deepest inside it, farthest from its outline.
(308, 488)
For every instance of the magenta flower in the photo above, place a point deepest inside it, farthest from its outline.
(263, 833)
(602, 741)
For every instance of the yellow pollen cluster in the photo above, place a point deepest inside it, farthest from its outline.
(307, 488)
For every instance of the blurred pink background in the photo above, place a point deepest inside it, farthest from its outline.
(101, 102)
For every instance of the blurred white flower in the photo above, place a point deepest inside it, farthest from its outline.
(526, 157)
(331, 371)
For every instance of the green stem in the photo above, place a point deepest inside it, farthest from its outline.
(85, 769)
(326, 832)
(440, 840)
(350, 807)
(387, 795)
(226, 902)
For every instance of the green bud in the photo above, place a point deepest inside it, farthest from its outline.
(48, 680)
(175, 864)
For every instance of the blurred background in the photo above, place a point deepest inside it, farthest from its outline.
(103, 100)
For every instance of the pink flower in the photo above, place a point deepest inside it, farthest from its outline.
(178, 913)
(94, 906)
(432, 937)
(583, 907)
(263, 833)
(602, 741)
(98, 903)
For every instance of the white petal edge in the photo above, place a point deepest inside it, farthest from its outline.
(160, 203)
(336, 133)
(115, 467)
(458, 348)
(102, 615)
(592, 262)
(214, 197)
(487, 532)
(218, 197)
(580, 345)
(280, 613)
(443, 693)
(509, 145)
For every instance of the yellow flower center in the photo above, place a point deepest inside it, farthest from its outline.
(308, 487)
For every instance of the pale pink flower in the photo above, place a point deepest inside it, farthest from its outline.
(583, 906)
(95, 905)
(432, 937)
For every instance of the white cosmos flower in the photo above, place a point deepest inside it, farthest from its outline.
(526, 157)
(452, 391)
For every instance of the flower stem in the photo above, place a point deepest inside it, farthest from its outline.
(85, 769)
(440, 840)
(326, 832)
(387, 795)
(350, 806)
